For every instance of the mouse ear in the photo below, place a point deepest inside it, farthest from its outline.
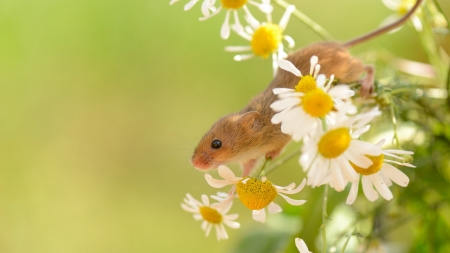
(251, 121)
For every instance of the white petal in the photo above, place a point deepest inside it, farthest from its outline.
(293, 202)
(243, 57)
(264, 7)
(417, 23)
(274, 208)
(232, 224)
(277, 91)
(215, 182)
(281, 105)
(341, 91)
(206, 226)
(205, 200)
(353, 193)
(285, 18)
(212, 15)
(313, 61)
(190, 4)
(337, 178)
(398, 152)
(238, 48)
(288, 189)
(225, 30)
(205, 8)
(226, 173)
(301, 246)
(320, 80)
(395, 175)
(290, 41)
(288, 66)
(366, 147)
(357, 158)
(348, 171)
(259, 215)
(250, 19)
(237, 25)
(368, 190)
(381, 186)
(392, 4)
(173, 1)
(188, 208)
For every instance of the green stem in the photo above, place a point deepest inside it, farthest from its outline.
(283, 160)
(448, 87)
(324, 218)
(394, 125)
(346, 241)
(263, 166)
(309, 22)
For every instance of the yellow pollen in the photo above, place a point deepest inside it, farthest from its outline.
(210, 215)
(266, 40)
(255, 194)
(317, 103)
(335, 142)
(306, 84)
(233, 4)
(372, 169)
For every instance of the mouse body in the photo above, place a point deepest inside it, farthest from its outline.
(248, 135)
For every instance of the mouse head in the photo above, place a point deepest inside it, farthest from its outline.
(227, 139)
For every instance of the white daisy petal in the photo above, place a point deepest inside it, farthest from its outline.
(243, 57)
(205, 8)
(280, 105)
(238, 48)
(227, 174)
(353, 193)
(288, 66)
(289, 40)
(225, 30)
(301, 246)
(293, 202)
(381, 186)
(368, 190)
(190, 4)
(274, 208)
(277, 91)
(215, 182)
(337, 179)
(395, 175)
(259, 215)
(285, 18)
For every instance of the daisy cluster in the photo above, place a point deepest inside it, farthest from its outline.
(264, 38)
(324, 119)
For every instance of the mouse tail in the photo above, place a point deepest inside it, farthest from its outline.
(384, 29)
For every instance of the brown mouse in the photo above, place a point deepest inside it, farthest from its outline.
(247, 135)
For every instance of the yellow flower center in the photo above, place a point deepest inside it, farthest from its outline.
(233, 4)
(210, 215)
(266, 40)
(372, 169)
(255, 194)
(335, 142)
(317, 103)
(306, 84)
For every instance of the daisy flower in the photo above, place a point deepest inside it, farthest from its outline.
(401, 7)
(301, 246)
(232, 6)
(213, 215)
(256, 194)
(326, 154)
(265, 39)
(207, 6)
(300, 110)
(380, 174)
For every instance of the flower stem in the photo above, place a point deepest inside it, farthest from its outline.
(324, 218)
(264, 166)
(309, 22)
(346, 241)
(283, 160)
(394, 125)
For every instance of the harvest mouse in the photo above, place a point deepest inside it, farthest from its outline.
(245, 136)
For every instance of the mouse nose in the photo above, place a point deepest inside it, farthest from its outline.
(201, 162)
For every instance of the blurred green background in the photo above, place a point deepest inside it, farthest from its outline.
(102, 103)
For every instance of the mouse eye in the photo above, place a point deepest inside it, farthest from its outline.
(216, 144)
